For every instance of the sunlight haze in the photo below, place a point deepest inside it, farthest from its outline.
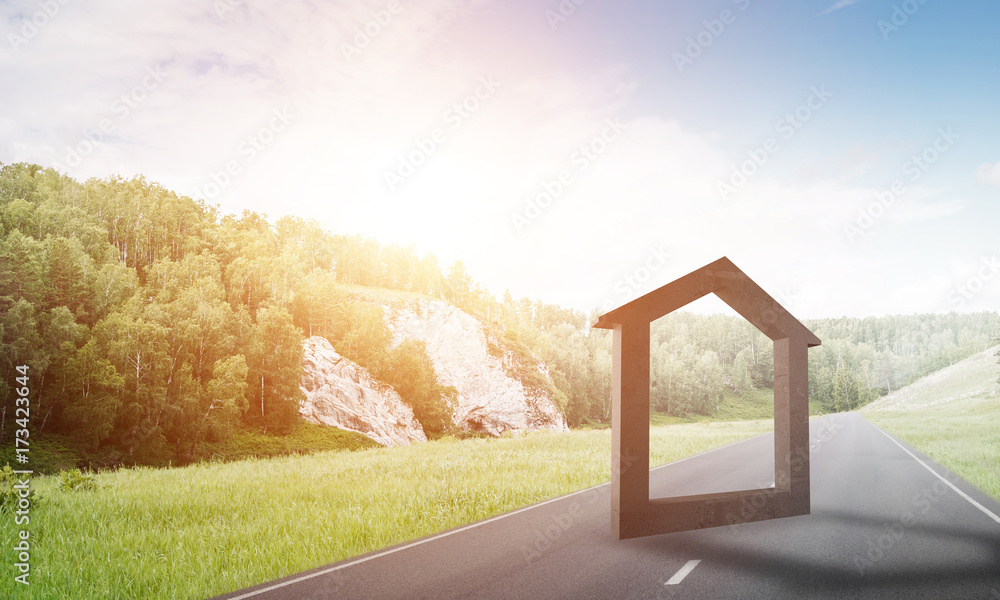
(843, 154)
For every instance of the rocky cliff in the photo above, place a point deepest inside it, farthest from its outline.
(490, 399)
(340, 393)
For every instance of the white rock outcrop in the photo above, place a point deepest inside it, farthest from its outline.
(489, 400)
(343, 394)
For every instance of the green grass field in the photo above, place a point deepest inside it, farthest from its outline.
(209, 528)
(953, 416)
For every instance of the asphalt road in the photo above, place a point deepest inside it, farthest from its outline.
(886, 522)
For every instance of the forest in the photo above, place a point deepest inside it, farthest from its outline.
(152, 324)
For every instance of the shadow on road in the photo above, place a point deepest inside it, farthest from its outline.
(864, 552)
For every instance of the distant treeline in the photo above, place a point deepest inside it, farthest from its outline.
(694, 358)
(152, 324)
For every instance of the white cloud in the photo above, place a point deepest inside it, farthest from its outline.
(839, 5)
(988, 173)
(926, 211)
(222, 75)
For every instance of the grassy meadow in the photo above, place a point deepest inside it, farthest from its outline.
(210, 528)
(953, 416)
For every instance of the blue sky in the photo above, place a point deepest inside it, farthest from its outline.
(844, 154)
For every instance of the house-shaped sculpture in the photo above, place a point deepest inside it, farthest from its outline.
(633, 513)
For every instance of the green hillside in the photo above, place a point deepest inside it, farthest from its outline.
(953, 416)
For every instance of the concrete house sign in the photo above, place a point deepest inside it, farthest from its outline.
(633, 512)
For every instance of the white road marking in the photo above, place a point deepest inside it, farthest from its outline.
(972, 501)
(680, 575)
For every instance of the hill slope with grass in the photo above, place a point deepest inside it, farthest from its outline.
(953, 416)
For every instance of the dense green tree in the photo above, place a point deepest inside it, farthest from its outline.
(458, 284)
(843, 390)
(312, 246)
(56, 218)
(136, 346)
(112, 284)
(274, 360)
(227, 396)
(360, 334)
(428, 279)
(93, 398)
(146, 222)
(184, 419)
(21, 260)
(69, 275)
(20, 340)
(19, 345)
(739, 377)
(708, 373)
(410, 372)
(19, 215)
(315, 306)
(60, 338)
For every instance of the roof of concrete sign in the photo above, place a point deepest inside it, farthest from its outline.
(730, 284)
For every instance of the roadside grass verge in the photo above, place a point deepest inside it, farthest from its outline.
(952, 416)
(211, 528)
(963, 436)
